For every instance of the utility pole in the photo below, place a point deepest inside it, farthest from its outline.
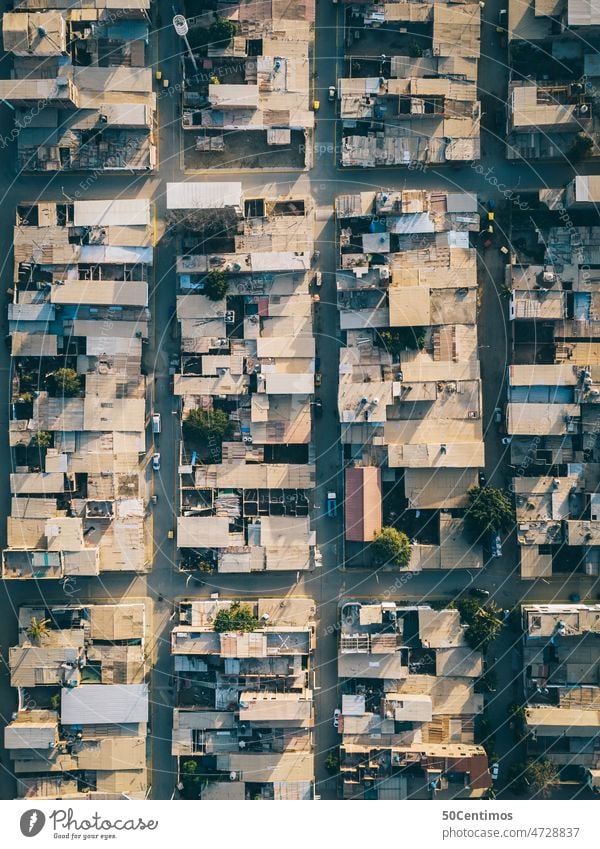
(181, 28)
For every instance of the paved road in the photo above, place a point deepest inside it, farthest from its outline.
(329, 583)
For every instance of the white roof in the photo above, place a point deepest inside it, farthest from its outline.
(203, 195)
(92, 704)
(587, 189)
(461, 202)
(115, 253)
(111, 213)
(353, 705)
(290, 384)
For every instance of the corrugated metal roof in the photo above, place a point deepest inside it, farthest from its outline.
(114, 213)
(91, 704)
(203, 195)
(363, 503)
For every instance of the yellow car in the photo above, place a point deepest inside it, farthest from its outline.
(316, 105)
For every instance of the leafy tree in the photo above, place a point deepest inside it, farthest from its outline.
(484, 622)
(37, 629)
(490, 511)
(396, 339)
(215, 285)
(191, 781)
(392, 546)
(238, 617)
(332, 762)
(55, 701)
(41, 439)
(63, 382)
(208, 425)
(581, 147)
(222, 31)
(516, 783)
(542, 776)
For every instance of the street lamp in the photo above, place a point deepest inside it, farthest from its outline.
(181, 28)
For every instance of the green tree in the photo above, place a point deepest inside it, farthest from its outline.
(55, 701)
(41, 439)
(238, 617)
(396, 339)
(516, 783)
(332, 762)
(483, 622)
(392, 546)
(190, 780)
(215, 285)
(63, 382)
(189, 767)
(490, 511)
(208, 425)
(37, 629)
(221, 32)
(580, 148)
(542, 776)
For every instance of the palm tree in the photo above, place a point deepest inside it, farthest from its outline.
(37, 629)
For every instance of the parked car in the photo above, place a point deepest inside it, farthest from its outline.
(497, 546)
(318, 378)
(332, 93)
(482, 479)
(495, 770)
(156, 423)
(318, 279)
(156, 462)
(336, 717)
(318, 408)
(477, 592)
(506, 440)
(331, 505)
(498, 415)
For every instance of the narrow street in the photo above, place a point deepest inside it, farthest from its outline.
(330, 582)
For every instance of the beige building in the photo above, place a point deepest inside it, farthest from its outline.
(81, 275)
(93, 658)
(409, 396)
(86, 66)
(262, 684)
(421, 109)
(407, 714)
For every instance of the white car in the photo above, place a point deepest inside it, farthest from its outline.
(156, 462)
(336, 717)
(506, 440)
(495, 770)
(497, 546)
